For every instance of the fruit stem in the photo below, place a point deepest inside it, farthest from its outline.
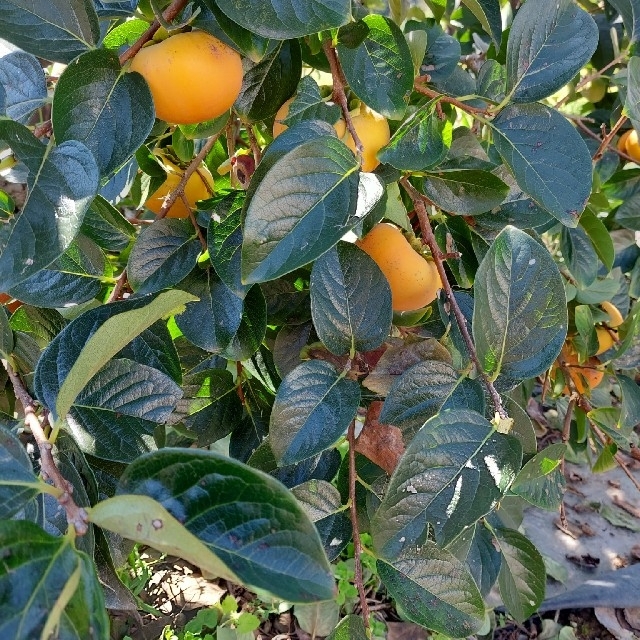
(76, 516)
(430, 240)
(339, 95)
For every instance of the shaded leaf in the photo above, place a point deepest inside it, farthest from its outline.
(18, 482)
(488, 14)
(106, 226)
(350, 627)
(309, 105)
(22, 83)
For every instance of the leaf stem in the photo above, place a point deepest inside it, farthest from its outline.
(430, 240)
(357, 545)
(76, 516)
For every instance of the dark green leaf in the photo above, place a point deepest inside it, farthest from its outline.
(57, 30)
(632, 100)
(627, 214)
(47, 585)
(211, 322)
(518, 326)
(488, 14)
(308, 105)
(251, 331)
(350, 300)
(6, 335)
(454, 236)
(452, 473)
(288, 19)
(18, 482)
(464, 191)
(22, 82)
(163, 255)
(107, 109)
(434, 590)
(421, 391)
(306, 202)
(579, 255)
(548, 158)
(246, 518)
(421, 142)
(288, 345)
(541, 481)
(350, 627)
(61, 184)
(628, 11)
(549, 42)
(106, 226)
(266, 85)
(442, 53)
(313, 408)
(599, 236)
(491, 81)
(630, 414)
(380, 70)
(522, 574)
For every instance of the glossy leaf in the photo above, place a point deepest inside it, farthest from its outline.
(434, 590)
(453, 472)
(380, 70)
(422, 390)
(288, 19)
(579, 255)
(267, 84)
(163, 255)
(549, 42)
(58, 30)
(488, 14)
(61, 183)
(308, 105)
(541, 481)
(252, 328)
(518, 326)
(522, 574)
(304, 204)
(48, 586)
(350, 300)
(104, 107)
(22, 83)
(18, 482)
(548, 158)
(313, 408)
(599, 236)
(106, 226)
(248, 520)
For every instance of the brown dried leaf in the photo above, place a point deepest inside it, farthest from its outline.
(381, 443)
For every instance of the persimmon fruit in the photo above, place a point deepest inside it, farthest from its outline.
(193, 76)
(373, 131)
(629, 144)
(283, 112)
(615, 317)
(595, 90)
(606, 339)
(197, 188)
(585, 376)
(413, 279)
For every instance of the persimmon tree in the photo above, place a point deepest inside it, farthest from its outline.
(233, 385)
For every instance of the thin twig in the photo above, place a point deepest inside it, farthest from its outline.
(607, 139)
(117, 289)
(339, 95)
(170, 13)
(194, 222)
(76, 516)
(430, 93)
(566, 430)
(357, 546)
(253, 141)
(430, 240)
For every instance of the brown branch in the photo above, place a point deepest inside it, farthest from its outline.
(76, 516)
(566, 431)
(194, 222)
(189, 171)
(430, 93)
(117, 289)
(253, 141)
(339, 95)
(353, 511)
(170, 13)
(430, 240)
(607, 138)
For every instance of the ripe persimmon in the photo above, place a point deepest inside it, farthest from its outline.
(193, 76)
(585, 376)
(373, 131)
(615, 317)
(413, 279)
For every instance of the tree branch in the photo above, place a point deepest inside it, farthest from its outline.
(76, 516)
(430, 240)
(430, 93)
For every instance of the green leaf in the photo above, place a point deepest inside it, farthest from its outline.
(22, 83)
(252, 328)
(549, 42)
(541, 481)
(79, 351)
(522, 574)
(351, 627)
(464, 191)
(548, 157)
(423, 390)
(48, 586)
(309, 105)
(518, 326)
(62, 180)
(163, 255)
(125, 34)
(599, 236)
(246, 518)
(419, 143)
(442, 53)
(57, 30)
(318, 618)
(350, 300)
(434, 590)
(267, 84)
(488, 14)
(106, 226)
(18, 482)
(627, 214)
(313, 408)
(104, 107)
(212, 321)
(305, 203)
(287, 19)
(452, 473)
(491, 81)
(73, 278)
(6, 335)
(630, 414)
(380, 70)
(579, 255)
